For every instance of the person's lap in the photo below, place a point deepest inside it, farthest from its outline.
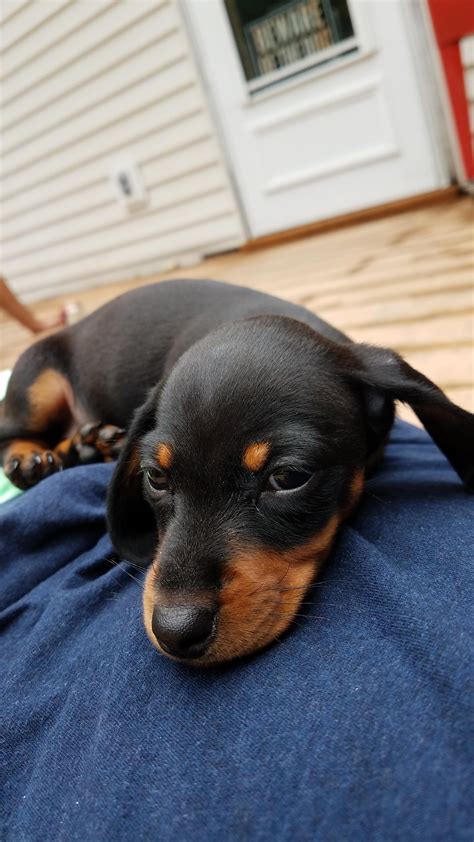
(353, 726)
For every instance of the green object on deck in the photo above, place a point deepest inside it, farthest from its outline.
(7, 490)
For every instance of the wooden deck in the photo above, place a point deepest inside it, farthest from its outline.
(406, 281)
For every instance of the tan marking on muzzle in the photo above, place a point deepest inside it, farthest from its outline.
(264, 591)
(260, 595)
(149, 601)
(255, 455)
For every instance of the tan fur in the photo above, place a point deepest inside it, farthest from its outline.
(255, 455)
(264, 591)
(133, 465)
(64, 446)
(355, 491)
(164, 456)
(22, 448)
(149, 602)
(50, 398)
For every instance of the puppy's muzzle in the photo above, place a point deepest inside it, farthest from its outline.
(184, 631)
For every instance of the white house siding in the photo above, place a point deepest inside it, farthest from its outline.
(86, 82)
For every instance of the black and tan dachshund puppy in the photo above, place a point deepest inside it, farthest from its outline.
(251, 425)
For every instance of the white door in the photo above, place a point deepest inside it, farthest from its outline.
(319, 105)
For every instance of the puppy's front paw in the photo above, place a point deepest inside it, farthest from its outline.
(99, 443)
(26, 466)
(109, 441)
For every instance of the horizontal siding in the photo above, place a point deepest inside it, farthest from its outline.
(76, 30)
(153, 133)
(76, 145)
(139, 259)
(102, 56)
(137, 228)
(161, 49)
(59, 220)
(19, 31)
(107, 225)
(85, 85)
(11, 9)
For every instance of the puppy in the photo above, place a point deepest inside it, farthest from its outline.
(251, 425)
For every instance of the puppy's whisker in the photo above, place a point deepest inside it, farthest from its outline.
(307, 587)
(131, 576)
(136, 566)
(376, 497)
(127, 572)
(302, 602)
(305, 616)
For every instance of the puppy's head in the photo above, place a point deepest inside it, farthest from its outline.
(239, 469)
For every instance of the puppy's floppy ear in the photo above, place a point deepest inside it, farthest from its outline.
(130, 520)
(451, 427)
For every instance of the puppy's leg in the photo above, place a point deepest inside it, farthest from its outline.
(42, 419)
(27, 461)
(38, 412)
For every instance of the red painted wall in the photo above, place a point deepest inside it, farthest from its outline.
(452, 20)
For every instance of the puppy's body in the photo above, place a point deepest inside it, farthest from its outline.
(114, 356)
(254, 423)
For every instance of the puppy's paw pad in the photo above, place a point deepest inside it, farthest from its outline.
(27, 469)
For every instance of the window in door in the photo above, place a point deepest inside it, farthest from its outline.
(277, 39)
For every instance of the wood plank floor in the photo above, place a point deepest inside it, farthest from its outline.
(406, 281)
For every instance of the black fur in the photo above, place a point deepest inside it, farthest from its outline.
(210, 368)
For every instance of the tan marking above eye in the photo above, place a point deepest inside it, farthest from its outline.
(164, 455)
(255, 455)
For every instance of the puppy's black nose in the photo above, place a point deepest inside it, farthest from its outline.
(183, 632)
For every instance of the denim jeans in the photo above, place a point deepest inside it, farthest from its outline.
(353, 727)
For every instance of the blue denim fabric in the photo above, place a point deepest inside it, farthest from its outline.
(353, 727)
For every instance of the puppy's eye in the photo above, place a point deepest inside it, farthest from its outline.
(156, 479)
(288, 479)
